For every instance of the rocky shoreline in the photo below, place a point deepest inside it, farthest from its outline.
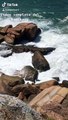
(46, 98)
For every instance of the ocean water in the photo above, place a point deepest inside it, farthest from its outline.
(52, 17)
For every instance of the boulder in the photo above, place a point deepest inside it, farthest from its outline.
(13, 35)
(44, 97)
(12, 108)
(12, 31)
(9, 38)
(20, 26)
(25, 90)
(4, 29)
(28, 31)
(65, 102)
(31, 48)
(7, 82)
(64, 83)
(5, 50)
(1, 38)
(39, 62)
(31, 31)
(47, 84)
(55, 111)
(11, 80)
(29, 73)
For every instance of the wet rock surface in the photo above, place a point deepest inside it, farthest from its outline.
(13, 35)
(5, 50)
(39, 62)
(31, 48)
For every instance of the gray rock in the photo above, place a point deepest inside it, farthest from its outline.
(12, 108)
(29, 73)
(5, 50)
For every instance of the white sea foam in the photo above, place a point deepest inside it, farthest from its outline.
(9, 64)
(64, 19)
(58, 59)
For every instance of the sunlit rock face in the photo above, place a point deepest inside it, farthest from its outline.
(12, 108)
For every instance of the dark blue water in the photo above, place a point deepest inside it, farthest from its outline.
(53, 9)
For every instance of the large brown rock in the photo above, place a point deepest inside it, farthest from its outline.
(7, 82)
(27, 31)
(44, 97)
(13, 35)
(39, 62)
(55, 111)
(25, 90)
(30, 28)
(14, 85)
(9, 38)
(12, 31)
(20, 26)
(65, 102)
(53, 94)
(47, 84)
(12, 108)
(31, 31)
(28, 73)
(12, 80)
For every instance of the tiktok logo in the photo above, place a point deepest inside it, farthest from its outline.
(4, 4)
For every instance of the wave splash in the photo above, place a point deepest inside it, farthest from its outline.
(51, 36)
